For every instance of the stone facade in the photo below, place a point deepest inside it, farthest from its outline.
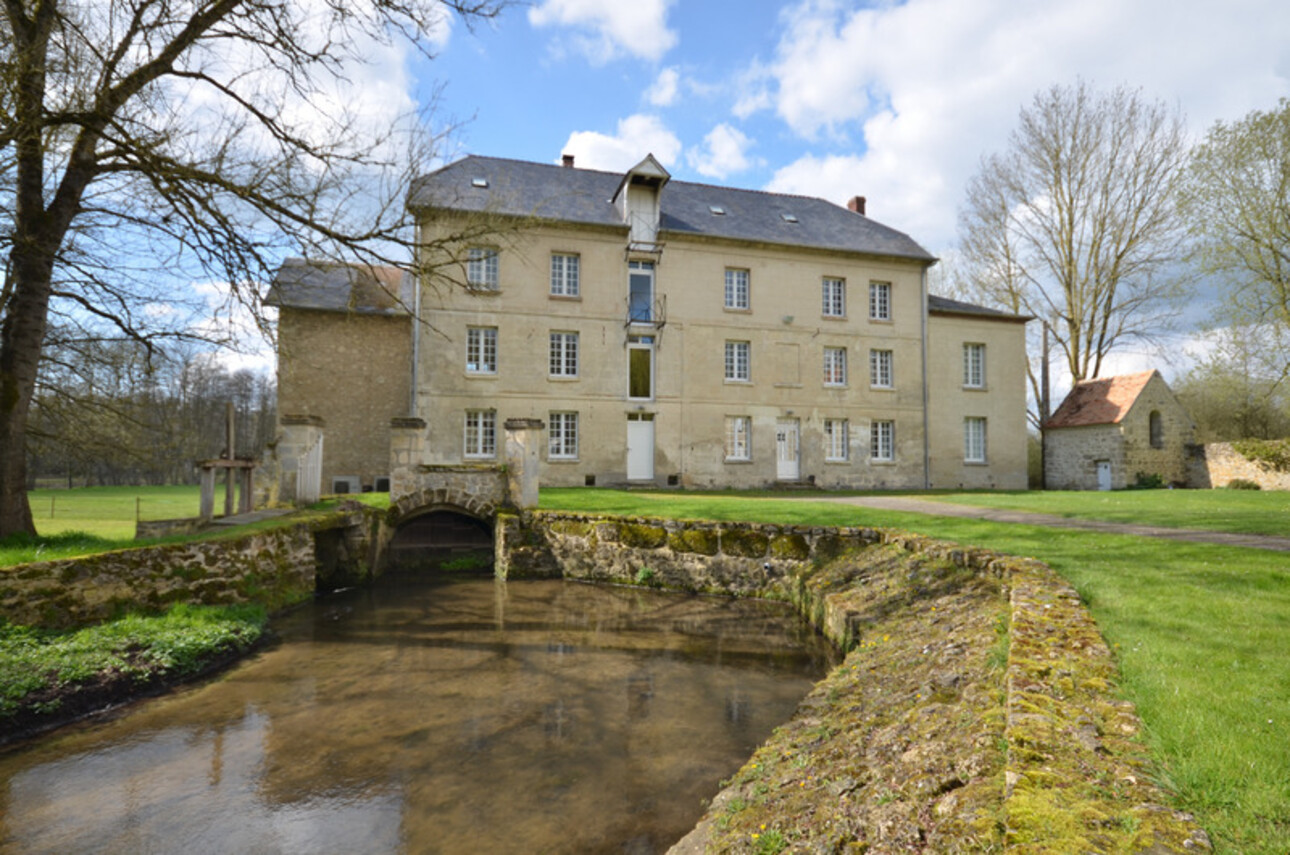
(352, 371)
(1145, 433)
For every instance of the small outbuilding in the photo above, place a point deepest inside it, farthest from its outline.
(1112, 432)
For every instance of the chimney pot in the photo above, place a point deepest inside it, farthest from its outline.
(567, 160)
(856, 204)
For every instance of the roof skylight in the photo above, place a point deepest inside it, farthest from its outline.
(789, 218)
(717, 210)
(479, 182)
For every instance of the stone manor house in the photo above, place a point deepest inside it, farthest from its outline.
(663, 332)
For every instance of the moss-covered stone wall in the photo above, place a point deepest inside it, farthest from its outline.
(275, 568)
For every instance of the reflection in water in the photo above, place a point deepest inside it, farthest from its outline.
(466, 717)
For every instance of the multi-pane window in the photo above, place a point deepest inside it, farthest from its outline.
(564, 354)
(481, 433)
(834, 298)
(564, 275)
(562, 436)
(880, 371)
(974, 439)
(481, 350)
(481, 268)
(882, 441)
(835, 366)
(880, 301)
(737, 361)
(974, 366)
(738, 438)
(835, 439)
(736, 288)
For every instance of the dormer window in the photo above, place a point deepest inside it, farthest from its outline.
(788, 218)
(479, 182)
(717, 210)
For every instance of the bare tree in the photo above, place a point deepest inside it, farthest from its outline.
(1076, 222)
(144, 138)
(1237, 200)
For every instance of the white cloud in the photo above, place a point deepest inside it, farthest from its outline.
(724, 152)
(635, 137)
(919, 91)
(228, 321)
(607, 30)
(664, 91)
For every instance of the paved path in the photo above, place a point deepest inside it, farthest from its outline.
(946, 509)
(253, 516)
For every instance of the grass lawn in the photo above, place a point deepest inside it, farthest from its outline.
(1199, 631)
(110, 512)
(1235, 511)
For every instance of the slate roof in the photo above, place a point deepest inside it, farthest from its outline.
(546, 191)
(331, 286)
(946, 306)
(1104, 401)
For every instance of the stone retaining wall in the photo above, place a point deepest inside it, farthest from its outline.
(1073, 762)
(1217, 464)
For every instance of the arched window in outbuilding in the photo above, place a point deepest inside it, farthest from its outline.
(1157, 430)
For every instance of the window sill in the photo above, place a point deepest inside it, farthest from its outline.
(734, 310)
(729, 382)
(836, 386)
(566, 298)
(882, 388)
(557, 460)
(831, 461)
(881, 321)
(873, 462)
(833, 317)
(738, 461)
(482, 375)
(562, 378)
(976, 388)
(480, 291)
(976, 463)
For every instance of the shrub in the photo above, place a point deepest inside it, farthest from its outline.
(1242, 484)
(1273, 454)
(1147, 481)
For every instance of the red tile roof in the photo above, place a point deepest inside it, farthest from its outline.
(1104, 401)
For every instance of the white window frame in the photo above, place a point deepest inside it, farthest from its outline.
(738, 289)
(738, 362)
(566, 274)
(882, 441)
(973, 365)
(837, 445)
(738, 445)
(562, 355)
(833, 297)
(479, 440)
(562, 435)
(835, 366)
(879, 301)
(481, 268)
(481, 350)
(882, 369)
(974, 439)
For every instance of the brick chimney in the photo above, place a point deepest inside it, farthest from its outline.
(567, 161)
(856, 204)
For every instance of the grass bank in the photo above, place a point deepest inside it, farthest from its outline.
(1198, 631)
(49, 677)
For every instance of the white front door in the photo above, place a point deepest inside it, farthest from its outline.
(1104, 474)
(640, 447)
(787, 467)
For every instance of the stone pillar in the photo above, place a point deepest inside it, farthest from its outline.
(523, 457)
(407, 452)
(300, 470)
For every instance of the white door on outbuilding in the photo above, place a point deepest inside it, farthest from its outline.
(1104, 474)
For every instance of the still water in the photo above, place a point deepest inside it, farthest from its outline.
(418, 717)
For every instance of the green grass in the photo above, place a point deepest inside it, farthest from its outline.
(1234, 511)
(1199, 632)
(110, 512)
(178, 643)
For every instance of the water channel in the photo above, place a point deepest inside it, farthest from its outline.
(467, 716)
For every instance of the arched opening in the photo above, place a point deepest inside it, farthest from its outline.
(1157, 430)
(442, 541)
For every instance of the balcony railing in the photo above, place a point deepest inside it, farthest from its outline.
(643, 311)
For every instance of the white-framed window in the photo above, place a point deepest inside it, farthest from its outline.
(481, 268)
(974, 366)
(640, 367)
(974, 439)
(737, 361)
(882, 441)
(562, 436)
(736, 288)
(880, 369)
(880, 301)
(564, 274)
(834, 297)
(835, 366)
(481, 350)
(738, 438)
(481, 433)
(836, 446)
(564, 354)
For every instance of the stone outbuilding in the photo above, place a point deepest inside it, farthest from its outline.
(1113, 431)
